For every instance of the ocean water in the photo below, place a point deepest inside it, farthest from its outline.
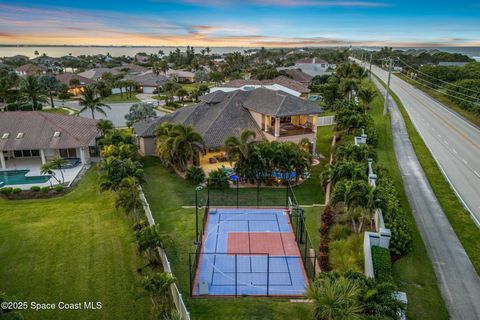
(58, 51)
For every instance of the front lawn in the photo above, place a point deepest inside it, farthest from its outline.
(118, 98)
(72, 248)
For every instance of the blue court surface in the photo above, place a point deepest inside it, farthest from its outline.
(249, 252)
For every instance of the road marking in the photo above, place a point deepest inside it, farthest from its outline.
(446, 142)
(439, 135)
(464, 161)
(455, 151)
(476, 173)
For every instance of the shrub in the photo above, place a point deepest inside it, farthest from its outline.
(382, 264)
(339, 232)
(35, 188)
(347, 254)
(6, 190)
(59, 188)
(195, 175)
(218, 179)
(16, 190)
(45, 189)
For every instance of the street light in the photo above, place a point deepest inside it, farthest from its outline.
(198, 188)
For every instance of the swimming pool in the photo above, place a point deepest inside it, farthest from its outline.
(14, 177)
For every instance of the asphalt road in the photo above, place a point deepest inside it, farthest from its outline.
(456, 276)
(453, 141)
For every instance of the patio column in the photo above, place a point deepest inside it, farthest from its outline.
(314, 123)
(277, 127)
(82, 156)
(42, 156)
(2, 160)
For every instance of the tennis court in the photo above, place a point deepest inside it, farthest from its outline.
(249, 252)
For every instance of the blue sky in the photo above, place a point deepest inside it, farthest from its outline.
(241, 23)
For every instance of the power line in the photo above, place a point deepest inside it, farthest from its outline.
(447, 94)
(450, 83)
(445, 88)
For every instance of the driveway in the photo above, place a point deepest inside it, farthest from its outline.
(456, 276)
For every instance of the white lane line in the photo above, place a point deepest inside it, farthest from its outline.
(439, 135)
(446, 142)
(464, 161)
(476, 173)
(455, 151)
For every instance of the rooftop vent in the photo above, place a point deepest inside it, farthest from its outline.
(56, 134)
(5, 135)
(20, 135)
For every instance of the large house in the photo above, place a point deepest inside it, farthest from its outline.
(29, 69)
(97, 73)
(40, 136)
(68, 78)
(280, 83)
(311, 66)
(148, 81)
(272, 115)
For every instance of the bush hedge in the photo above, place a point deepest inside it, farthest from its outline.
(45, 189)
(16, 190)
(59, 188)
(35, 188)
(195, 175)
(382, 264)
(6, 190)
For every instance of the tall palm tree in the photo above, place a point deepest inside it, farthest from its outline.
(348, 86)
(103, 126)
(367, 95)
(90, 100)
(32, 91)
(49, 84)
(239, 150)
(335, 299)
(158, 286)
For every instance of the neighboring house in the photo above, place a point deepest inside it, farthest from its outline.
(29, 69)
(17, 58)
(181, 76)
(300, 76)
(44, 60)
(452, 64)
(147, 81)
(280, 83)
(273, 115)
(311, 66)
(142, 58)
(44, 136)
(67, 77)
(131, 68)
(96, 73)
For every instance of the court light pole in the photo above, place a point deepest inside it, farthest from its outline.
(197, 188)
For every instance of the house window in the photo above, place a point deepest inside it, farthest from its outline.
(26, 153)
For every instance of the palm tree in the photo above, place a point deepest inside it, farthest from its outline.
(32, 91)
(90, 100)
(348, 86)
(103, 126)
(181, 93)
(178, 144)
(50, 84)
(54, 164)
(335, 299)
(148, 240)
(239, 150)
(128, 197)
(158, 286)
(367, 95)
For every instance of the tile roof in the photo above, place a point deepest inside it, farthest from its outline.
(132, 68)
(147, 79)
(38, 129)
(299, 75)
(66, 77)
(220, 114)
(280, 80)
(97, 73)
(29, 68)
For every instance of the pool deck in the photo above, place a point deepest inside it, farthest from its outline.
(33, 165)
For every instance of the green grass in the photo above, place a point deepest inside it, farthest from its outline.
(190, 86)
(72, 248)
(414, 272)
(166, 192)
(459, 218)
(117, 98)
(444, 99)
(58, 111)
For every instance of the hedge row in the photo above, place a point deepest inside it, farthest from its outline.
(382, 264)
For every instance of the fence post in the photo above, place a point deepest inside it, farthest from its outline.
(190, 273)
(237, 191)
(258, 192)
(236, 274)
(268, 273)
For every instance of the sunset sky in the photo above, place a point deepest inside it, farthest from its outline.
(250, 23)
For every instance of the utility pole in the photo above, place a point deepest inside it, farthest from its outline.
(388, 86)
(370, 68)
